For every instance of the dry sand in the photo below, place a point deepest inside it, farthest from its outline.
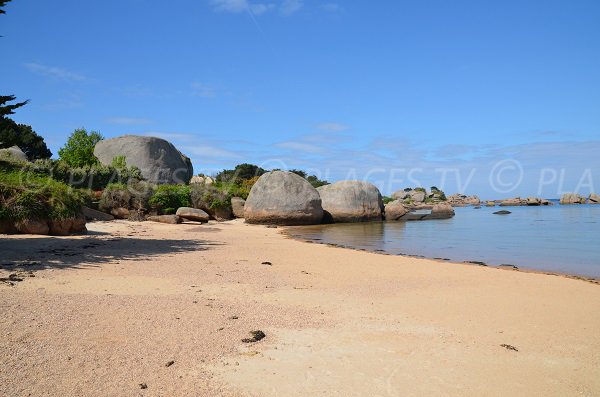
(109, 311)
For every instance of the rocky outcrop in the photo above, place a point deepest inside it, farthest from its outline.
(283, 198)
(400, 195)
(460, 200)
(170, 219)
(513, 202)
(13, 153)
(533, 201)
(237, 206)
(490, 204)
(94, 215)
(352, 201)
(594, 198)
(158, 160)
(441, 211)
(58, 227)
(395, 211)
(201, 180)
(572, 198)
(192, 214)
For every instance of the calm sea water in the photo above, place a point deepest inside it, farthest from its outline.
(557, 238)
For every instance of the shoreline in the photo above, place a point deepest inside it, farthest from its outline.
(515, 268)
(169, 306)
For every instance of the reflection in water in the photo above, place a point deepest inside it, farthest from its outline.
(556, 238)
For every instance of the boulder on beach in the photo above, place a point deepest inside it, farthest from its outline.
(13, 153)
(283, 198)
(237, 206)
(594, 198)
(120, 213)
(352, 201)
(441, 211)
(158, 160)
(192, 214)
(169, 219)
(95, 215)
(395, 211)
(32, 226)
(572, 198)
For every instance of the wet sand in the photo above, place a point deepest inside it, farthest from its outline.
(161, 310)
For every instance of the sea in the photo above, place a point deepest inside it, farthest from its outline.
(556, 238)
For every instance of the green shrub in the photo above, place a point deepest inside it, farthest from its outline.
(25, 194)
(210, 197)
(170, 197)
(387, 199)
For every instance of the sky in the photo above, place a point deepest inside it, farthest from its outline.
(495, 98)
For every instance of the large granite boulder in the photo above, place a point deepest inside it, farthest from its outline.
(594, 198)
(441, 211)
(13, 153)
(95, 215)
(352, 201)
(237, 206)
(417, 196)
(201, 180)
(395, 211)
(158, 160)
(283, 198)
(572, 198)
(192, 214)
(32, 226)
(400, 195)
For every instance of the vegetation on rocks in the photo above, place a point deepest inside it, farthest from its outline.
(27, 195)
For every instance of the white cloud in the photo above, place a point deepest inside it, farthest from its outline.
(206, 151)
(235, 6)
(128, 121)
(333, 127)
(299, 146)
(285, 7)
(53, 72)
(289, 7)
(203, 90)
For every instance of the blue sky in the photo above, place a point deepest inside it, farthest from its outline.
(496, 98)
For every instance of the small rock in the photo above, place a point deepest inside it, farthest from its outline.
(256, 336)
(168, 364)
(143, 386)
(503, 212)
(509, 347)
(266, 263)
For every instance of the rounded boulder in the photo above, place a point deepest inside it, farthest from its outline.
(352, 201)
(283, 198)
(158, 160)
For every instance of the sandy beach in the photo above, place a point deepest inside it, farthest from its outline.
(147, 309)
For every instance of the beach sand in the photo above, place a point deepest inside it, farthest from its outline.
(146, 309)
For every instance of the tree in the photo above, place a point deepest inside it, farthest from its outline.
(240, 173)
(23, 136)
(2, 4)
(6, 109)
(79, 149)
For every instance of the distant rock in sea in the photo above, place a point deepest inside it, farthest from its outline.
(572, 198)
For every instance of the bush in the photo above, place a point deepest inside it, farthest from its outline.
(387, 199)
(116, 195)
(211, 197)
(94, 177)
(26, 195)
(167, 198)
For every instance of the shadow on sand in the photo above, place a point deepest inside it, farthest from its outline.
(31, 254)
